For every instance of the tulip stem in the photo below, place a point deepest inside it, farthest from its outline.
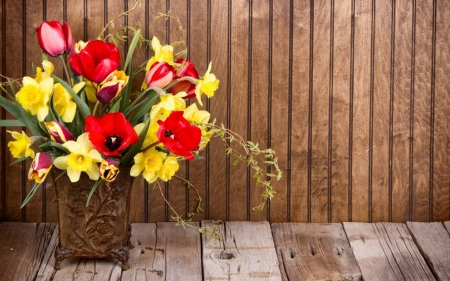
(66, 71)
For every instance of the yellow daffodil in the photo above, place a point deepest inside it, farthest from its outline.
(64, 105)
(82, 158)
(20, 148)
(34, 96)
(208, 85)
(193, 114)
(148, 162)
(151, 136)
(168, 168)
(162, 53)
(47, 73)
(167, 104)
(91, 91)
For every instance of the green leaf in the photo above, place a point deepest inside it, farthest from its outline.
(92, 191)
(30, 195)
(11, 123)
(143, 108)
(134, 42)
(18, 160)
(81, 105)
(135, 148)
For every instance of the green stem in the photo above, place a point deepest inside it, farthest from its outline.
(66, 71)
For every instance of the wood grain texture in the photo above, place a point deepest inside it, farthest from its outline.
(280, 90)
(239, 192)
(14, 189)
(381, 112)
(24, 255)
(422, 111)
(434, 242)
(340, 105)
(353, 96)
(373, 261)
(239, 256)
(314, 252)
(401, 154)
(396, 239)
(300, 67)
(441, 153)
(259, 94)
(320, 106)
(361, 112)
(217, 201)
(164, 251)
(197, 48)
(34, 208)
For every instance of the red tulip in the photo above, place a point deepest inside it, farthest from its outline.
(187, 68)
(110, 133)
(96, 60)
(40, 167)
(178, 135)
(55, 38)
(159, 75)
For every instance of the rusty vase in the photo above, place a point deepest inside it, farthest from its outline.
(99, 230)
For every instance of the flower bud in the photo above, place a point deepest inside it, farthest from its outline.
(159, 75)
(40, 167)
(58, 132)
(109, 169)
(111, 87)
(55, 38)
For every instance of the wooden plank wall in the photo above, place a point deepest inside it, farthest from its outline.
(353, 95)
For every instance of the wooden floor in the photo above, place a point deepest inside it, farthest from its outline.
(248, 251)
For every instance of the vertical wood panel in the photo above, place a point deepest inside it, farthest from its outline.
(139, 194)
(54, 11)
(352, 95)
(300, 99)
(32, 54)
(281, 104)
(3, 147)
(401, 114)
(178, 192)
(361, 102)
(157, 210)
(441, 176)
(259, 95)
(219, 48)
(13, 60)
(320, 112)
(239, 193)
(422, 110)
(381, 111)
(197, 48)
(340, 114)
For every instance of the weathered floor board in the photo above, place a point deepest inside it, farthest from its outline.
(246, 252)
(249, 251)
(447, 226)
(22, 247)
(386, 251)
(434, 243)
(314, 252)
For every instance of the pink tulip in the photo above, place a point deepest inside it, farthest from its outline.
(55, 38)
(58, 132)
(40, 167)
(159, 75)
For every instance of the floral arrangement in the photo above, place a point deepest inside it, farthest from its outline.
(94, 121)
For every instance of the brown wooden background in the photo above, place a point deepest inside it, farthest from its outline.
(353, 95)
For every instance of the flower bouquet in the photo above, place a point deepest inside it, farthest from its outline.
(94, 123)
